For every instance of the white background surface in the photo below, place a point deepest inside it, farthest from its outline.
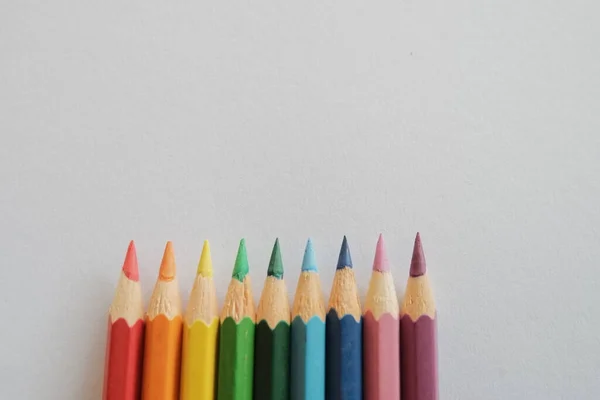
(475, 122)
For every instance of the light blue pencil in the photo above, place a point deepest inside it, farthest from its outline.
(308, 333)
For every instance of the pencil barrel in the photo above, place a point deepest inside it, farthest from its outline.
(199, 360)
(344, 357)
(307, 359)
(162, 358)
(123, 364)
(272, 361)
(381, 351)
(418, 346)
(236, 359)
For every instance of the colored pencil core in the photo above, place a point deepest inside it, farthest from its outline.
(167, 266)
(344, 260)
(240, 270)
(276, 264)
(417, 264)
(205, 267)
(130, 265)
(381, 262)
(309, 262)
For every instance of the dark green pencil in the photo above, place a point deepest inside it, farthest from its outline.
(272, 339)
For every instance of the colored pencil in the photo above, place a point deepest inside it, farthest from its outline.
(308, 333)
(236, 337)
(344, 333)
(418, 342)
(200, 334)
(381, 332)
(125, 338)
(162, 354)
(272, 340)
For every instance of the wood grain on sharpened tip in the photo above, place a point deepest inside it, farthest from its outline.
(162, 354)
(236, 335)
(344, 334)
(200, 335)
(381, 332)
(125, 337)
(308, 333)
(418, 336)
(272, 338)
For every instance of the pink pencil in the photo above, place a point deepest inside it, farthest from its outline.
(381, 342)
(418, 329)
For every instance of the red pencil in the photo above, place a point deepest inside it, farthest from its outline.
(124, 344)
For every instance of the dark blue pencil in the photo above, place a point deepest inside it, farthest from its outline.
(344, 333)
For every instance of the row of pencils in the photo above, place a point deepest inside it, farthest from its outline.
(342, 352)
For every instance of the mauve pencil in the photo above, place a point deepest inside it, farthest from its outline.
(418, 338)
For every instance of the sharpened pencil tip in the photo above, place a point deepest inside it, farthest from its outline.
(381, 263)
(276, 263)
(240, 269)
(309, 262)
(205, 267)
(167, 265)
(417, 264)
(344, 260)
(130, 265)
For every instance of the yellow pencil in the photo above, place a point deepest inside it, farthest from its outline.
(200, 333)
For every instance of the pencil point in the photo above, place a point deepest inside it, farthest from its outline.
(205, 267)
(381, 262)
(130, 265)
(276, 264)
(309, 262)
(344, 260)
(417, 264)
(167, 265)
(240, 270)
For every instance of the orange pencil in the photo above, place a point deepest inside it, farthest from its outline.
(163, 335)
(125, 339)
